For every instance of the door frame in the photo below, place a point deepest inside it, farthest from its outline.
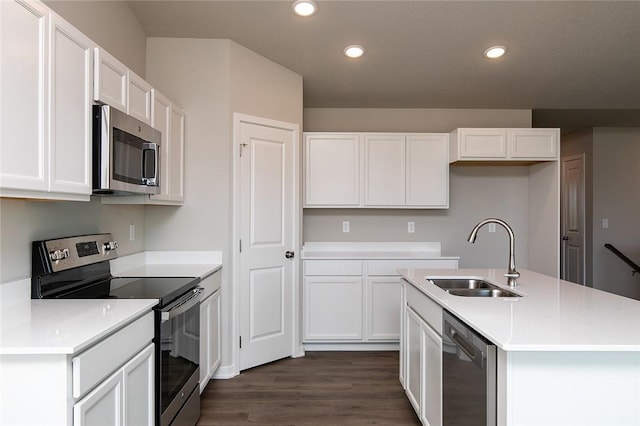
(563, 160)
(296, 344)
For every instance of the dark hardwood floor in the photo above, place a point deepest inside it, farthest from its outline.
(321, 388)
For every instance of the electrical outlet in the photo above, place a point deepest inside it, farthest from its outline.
(411, 227)
(132, 232)
(605, 223)
(345, 226)
(492, 227)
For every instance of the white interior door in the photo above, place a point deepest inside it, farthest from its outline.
(573, 231)
(267, 232)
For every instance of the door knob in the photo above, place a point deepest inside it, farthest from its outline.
(289, 254)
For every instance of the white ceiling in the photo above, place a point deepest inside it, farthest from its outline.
(428, 54)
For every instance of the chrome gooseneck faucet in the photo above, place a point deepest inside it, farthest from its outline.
(512, 275)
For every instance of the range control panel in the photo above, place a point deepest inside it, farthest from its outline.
(71, 252)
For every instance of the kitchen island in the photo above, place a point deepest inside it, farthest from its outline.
(566, 354)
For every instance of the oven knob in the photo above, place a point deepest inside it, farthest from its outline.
(59, 254)
(111, 245)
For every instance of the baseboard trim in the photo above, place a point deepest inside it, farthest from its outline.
(351, 346)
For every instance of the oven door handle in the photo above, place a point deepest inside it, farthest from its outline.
(181, 305)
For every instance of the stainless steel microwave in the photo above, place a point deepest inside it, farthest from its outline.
(126, 154)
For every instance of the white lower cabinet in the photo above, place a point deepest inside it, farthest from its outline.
(421, 354)
(210, 355)
(125, 398)
(333, 308)
(103, 406)
(356, 301)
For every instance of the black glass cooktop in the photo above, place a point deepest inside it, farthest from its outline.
(165, 289)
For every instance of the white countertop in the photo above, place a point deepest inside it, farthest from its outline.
(372, 250)
(67, 326)
(552, 315)
(167, 264)
(64, 326)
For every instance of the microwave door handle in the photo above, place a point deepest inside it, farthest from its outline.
(148, 148)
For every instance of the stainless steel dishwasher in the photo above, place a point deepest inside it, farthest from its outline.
(468, 375)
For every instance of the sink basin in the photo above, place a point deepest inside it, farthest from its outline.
(481, 292)
(471, 287)
(468, 283)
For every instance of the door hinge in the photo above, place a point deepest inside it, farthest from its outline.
(240, 342)
(242, 145)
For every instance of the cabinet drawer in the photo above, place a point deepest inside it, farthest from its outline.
(428, 310)
(97, 362)
(390, 267)
(332, 267)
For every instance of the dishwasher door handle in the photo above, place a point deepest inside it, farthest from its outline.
(467, 347)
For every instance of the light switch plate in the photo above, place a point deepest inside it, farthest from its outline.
(345, 226)
(411, 227)
(605, 223)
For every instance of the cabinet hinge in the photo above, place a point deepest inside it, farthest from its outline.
(240, 342)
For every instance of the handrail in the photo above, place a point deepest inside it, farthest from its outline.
(636, 268)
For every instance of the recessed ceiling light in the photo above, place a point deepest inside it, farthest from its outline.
(354, 51)
(304, 7)
(495, 52)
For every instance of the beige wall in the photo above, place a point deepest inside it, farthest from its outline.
(23, 221)
(616, 196)
(410, 120)
(475, 192)
(211, 80)
(111, 24)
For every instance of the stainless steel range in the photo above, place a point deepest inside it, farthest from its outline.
(78, 268)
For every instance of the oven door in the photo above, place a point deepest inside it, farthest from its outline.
(178, 350)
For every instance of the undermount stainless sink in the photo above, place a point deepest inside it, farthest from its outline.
(471, 287)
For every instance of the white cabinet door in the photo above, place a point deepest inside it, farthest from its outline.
(210, 354)
(23, 119)
(427, 175)
(431, 403)
(70, 112)
(332, 172)
(384, 170)
(138, 97)
(332, 308)
(110, 83)
(139, 396)
(383, 312)
(161, 118)
(176, 155)
(103, 405)
(533, 144)
(482, 143)
(413, 359)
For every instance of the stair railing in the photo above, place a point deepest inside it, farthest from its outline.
(635, 267)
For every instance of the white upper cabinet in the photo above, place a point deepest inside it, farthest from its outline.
(332, 170)
(45, 129)
(70, 126)
(427, 170)
(169, 119)
(24, 51)
(393, 170)
(111, 80)
(138, 98)
(121, 88)
(384, 170)
(504, 144)
(533, 144)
